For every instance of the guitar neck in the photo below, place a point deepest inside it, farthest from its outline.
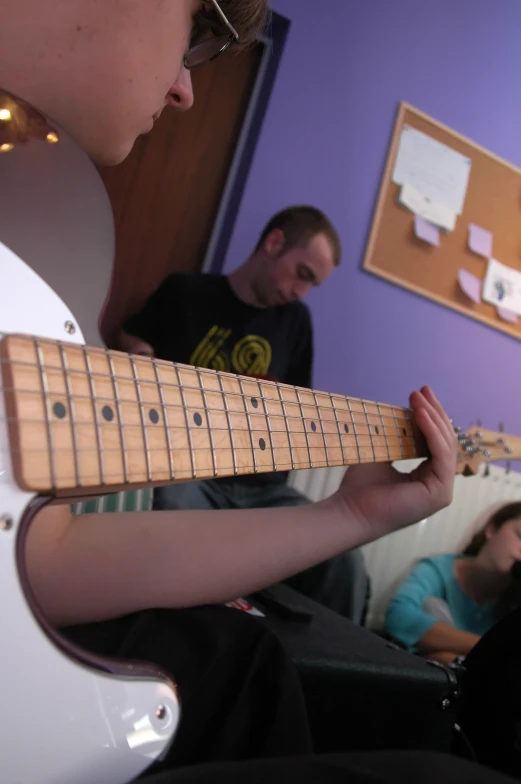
(83, 420)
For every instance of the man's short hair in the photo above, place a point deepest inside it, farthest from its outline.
(300, 225)
(248, 17)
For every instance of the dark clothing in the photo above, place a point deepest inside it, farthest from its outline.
(383, 767)
(197, 319)
(240, 693)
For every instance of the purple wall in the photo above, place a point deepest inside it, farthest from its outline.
(347, 65)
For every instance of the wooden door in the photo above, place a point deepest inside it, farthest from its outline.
(165, 196)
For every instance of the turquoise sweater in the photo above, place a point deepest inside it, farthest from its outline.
(407, 622)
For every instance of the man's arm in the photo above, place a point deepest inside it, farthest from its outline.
(93, 567)
(141, 333)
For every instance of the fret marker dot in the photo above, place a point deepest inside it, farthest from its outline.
(154, 416)
(108, 413)
(313, 427)
(377, 430)
(262, 444)
(198, 420)
(254, 402)
(346, 428)
(59, 410)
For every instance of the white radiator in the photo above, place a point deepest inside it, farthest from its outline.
(389, 560)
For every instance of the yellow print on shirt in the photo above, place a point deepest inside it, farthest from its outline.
(251, 356)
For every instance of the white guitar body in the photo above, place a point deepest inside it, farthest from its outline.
(66, 718)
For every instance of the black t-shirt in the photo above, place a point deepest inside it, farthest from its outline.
(197, 319)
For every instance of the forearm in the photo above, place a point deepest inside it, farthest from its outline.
(443, 657)
(103, 566)
(442, 637)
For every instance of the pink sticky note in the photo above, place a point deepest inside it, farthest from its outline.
(470, 285)
(480, 241)
(426, 231)
(507, 315)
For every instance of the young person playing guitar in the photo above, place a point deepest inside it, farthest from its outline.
(124, 583)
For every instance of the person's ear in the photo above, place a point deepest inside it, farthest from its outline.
(274, 243)
(490, 530)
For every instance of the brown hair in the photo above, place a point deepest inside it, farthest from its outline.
(301, 224)
(499, 518)
(248, 17)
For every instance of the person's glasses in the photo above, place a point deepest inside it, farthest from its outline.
(211, 46)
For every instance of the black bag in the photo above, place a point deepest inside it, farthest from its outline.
(362, 691)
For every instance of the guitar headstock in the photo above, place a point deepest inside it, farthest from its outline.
(477, 446)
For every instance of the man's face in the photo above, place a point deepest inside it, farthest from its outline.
(288, 275)
(125, 61)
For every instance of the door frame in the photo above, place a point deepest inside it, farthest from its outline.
(274, 42)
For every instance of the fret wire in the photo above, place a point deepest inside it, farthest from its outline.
(229, 421)
(188, 428)
(354, 429)
(47, 405)
(385, 431)
(115, 389)
(305, 428)
(338, 428)
(209, 425)
(92, 388)
(369, 428)
(398, 430)
(322, 428)
(255, 467)
(165, 421)
(70, 403)
(142, 417)
(268, 423)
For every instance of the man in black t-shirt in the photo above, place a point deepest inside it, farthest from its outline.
(253, 323)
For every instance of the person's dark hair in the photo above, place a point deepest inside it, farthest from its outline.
(510, 599)
(248, 17)
(499, 518)
(300, 224)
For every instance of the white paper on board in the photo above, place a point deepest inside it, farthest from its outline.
(434, 169)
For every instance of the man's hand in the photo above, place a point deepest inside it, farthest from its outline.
(133, 345)
(382, 499)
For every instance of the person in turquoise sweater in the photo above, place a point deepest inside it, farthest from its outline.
(449, 601)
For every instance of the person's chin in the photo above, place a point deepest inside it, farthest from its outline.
(112, 156)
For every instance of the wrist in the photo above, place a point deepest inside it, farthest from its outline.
(336, 511)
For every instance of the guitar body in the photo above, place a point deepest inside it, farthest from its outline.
(67, 718)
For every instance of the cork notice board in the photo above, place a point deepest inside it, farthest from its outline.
(493, 202)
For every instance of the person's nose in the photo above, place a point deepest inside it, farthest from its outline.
(181, 94)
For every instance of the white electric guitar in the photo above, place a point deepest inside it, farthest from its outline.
(78, 420)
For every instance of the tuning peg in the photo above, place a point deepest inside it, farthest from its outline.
(508, 467)
(487, 470)
(502, 427)
(478, 422)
